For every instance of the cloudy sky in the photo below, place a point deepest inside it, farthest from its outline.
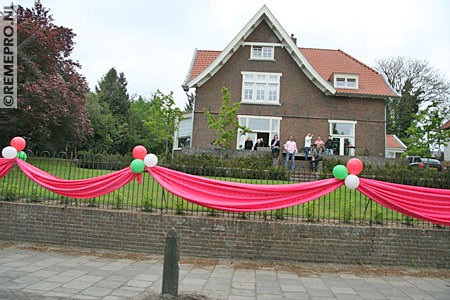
(152, 42)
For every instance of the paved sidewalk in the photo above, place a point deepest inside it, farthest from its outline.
(33, 274)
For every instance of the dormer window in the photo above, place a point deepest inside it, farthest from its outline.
(262, 52)
(346, 81)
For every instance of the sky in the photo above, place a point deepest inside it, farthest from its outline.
(153, 42)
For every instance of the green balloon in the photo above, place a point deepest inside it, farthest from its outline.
(22, 155)
(340, 172)
(137, 165)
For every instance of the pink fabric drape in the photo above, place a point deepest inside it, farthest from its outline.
(6, 165)
(428, 204)
(81, 188)
(240, 197)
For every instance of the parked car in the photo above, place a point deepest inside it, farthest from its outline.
(425, 163)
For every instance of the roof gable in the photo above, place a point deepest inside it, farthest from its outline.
(328, 62)
(393, 142)
(196, 80)
(202, 59)
(319, 65)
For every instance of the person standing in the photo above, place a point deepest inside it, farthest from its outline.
(248, 144)
(275, 146)
(329, 145)
(308, 139)
(291, 150)
(319, 142)
(316, 157)
(259, 143)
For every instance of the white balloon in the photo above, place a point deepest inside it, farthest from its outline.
(150, 160)
(352, 181)
(9, 152)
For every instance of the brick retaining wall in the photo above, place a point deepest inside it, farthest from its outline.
(223, 238)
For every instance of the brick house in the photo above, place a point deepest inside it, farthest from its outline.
(287, 90)
(446, 126)
(394, 146)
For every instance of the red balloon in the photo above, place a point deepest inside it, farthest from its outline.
(354, 166)
(18, 143)
(139, 152)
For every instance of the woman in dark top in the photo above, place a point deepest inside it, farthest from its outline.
(248, 144)
(275, 146)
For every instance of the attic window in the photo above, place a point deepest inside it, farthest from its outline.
(346, 81)
(262, 53)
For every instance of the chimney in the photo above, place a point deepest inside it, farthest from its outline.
(294, 39)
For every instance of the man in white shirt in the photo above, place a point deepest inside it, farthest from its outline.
(308, 139)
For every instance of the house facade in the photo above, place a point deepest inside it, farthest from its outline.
(394, 146)
(286, 90)
(446, 126)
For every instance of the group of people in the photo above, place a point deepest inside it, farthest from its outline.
(248, 145)
(316, 150)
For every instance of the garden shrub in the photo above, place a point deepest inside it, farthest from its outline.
(34, 195)
(396, 172)
(102, 161)
(119, 198)
(379, 218)
(348, 214)
(10, 192)
(279, 214)
(243, 167)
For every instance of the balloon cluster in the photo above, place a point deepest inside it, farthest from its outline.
(15, 150)
(142, 159)
(349, 172)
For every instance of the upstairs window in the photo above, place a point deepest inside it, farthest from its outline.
(345, 81)
(261, 88)
(262, 52)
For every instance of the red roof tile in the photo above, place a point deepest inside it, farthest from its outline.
(326, 62)
(392, 142)
(202, 60)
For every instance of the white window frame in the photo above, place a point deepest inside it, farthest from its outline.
(271, 55)
(240, 139)
(262, 45)
(346, 78)
(255, 83)
(351, 137)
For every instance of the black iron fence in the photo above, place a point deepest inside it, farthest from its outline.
(343, 206)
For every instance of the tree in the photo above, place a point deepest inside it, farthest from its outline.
(139, 135)
(112, 89)
(426, 133)
(226, 125)
(162, 121)
(189, 105)
(112, 93)
(51, 111)
(104, 131)
(417, 83)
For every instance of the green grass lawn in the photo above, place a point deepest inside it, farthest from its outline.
(343, 204)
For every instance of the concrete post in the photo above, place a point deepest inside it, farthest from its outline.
(171, 264)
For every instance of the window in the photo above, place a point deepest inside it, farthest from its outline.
(261, 88)
(343, 133)
(183, 142)
(182, 136)
(346, 81)
(262, 52)
(261, 127)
